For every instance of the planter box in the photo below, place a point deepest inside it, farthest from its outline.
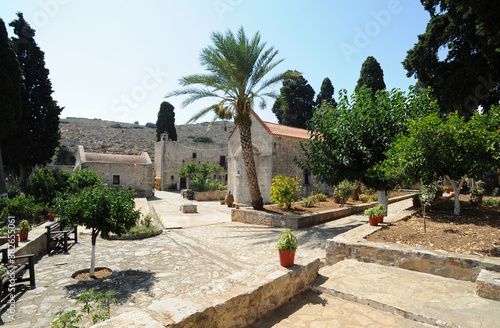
(296, 222)
(209, 195)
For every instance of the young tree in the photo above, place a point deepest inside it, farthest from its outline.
(458, 55)
(295, 105)
(452, 148)
(166, 122)
(33, 142)
(237, 67)
(102, 209)
(10, 94)
(64, 156)
(326, 93)
(349, 142)
(371, 76)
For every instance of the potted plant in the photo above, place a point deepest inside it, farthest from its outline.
(416, 200)
(380, 212)
(286, 246)
(24, 229)
(229, 199)
(236, 206)
(14, 241)
(222, 200)
(374, 214)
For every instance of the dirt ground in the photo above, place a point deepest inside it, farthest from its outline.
(297, 210)
(476, 231)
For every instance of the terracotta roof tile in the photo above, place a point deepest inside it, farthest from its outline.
(283, 130)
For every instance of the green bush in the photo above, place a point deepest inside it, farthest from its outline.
(13, 191)
(45, 185)
(477, 192)
(320, 197)
(285, 190)
(492, 202)
(344, 190)
(82, 179)
(364, 198)
(23, 207)
(308, 202)
(203, 139)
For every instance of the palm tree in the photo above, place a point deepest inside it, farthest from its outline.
(237, 67)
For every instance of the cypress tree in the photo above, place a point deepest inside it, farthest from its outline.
(35, 140)
(326, 93)
(166, 122)
(10, 94)
(371, 75)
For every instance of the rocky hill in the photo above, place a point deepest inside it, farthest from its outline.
(100, 136)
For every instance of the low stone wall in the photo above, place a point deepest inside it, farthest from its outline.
(250, 216)
(209, 195)
(353, 245)
(252, 302)
(36, 243)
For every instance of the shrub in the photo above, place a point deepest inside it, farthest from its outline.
(13, 191)
(494, 192)
(23, 207)
(46, 185)
(285, 190)
(151, 125)
(344, 190)
(82, 179)
(492, 202)
(320, 197)
(308, 202)
(203, 139)
(364, 198)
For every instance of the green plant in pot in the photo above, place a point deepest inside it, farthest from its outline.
(24, 229)
(222, 200)
(375, 214)
(416, 200)
(286, 246)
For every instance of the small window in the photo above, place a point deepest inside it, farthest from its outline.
(222, 161)
(275, 145)
(116, 179)
(172, 177)
(194, 155)
(306, 177)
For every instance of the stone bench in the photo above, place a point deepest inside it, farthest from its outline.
(488, 285)
(188, 208)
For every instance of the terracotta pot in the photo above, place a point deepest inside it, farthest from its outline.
(416, 203)
(222, 202)
(287, 258)
(381, 219)
(373, 220)
(52, 216)
(23, 235)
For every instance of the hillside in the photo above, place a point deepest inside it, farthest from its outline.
(100, 136)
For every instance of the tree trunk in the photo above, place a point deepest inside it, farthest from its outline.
(95, 233)
(3, 186)
(246, 147)
(383, 198)
(456, 191)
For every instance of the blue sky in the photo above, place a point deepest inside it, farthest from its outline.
(116, 60)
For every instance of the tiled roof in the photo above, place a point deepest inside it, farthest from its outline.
(283, 130)
(113, 158)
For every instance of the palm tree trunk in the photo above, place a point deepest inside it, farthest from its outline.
(246, 147)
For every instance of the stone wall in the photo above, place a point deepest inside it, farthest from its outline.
(171, 156)
(136, 176)
(209, 195)
(261, 296)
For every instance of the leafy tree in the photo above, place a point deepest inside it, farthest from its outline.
(203, 139)
(45, 185)
(295, 105)
(326, 93)
(371, 76)
(64, 156)
(10, 94)
(458, 55)
(452, 148)
(166, 122)
(102, 209)
(199, 173)
(82, 179)
(349, 142)
(151, 125)
(33, 142)
(237, 67)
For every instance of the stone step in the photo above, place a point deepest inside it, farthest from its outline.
(425, 298)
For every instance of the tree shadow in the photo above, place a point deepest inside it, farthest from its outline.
(125, 283)
(12, 298)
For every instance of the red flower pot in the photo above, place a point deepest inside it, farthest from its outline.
(287, 258)
(373, 220)
(52, 216)
(416, 203)
(23, 235)
(16, 241)
(381, 219)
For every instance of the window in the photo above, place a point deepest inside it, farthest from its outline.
(194, 155)
(116, 179)
(306, 177)
(222, 161)
(172, 177)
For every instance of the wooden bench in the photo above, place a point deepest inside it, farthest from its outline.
(16, 271)
(58, 238)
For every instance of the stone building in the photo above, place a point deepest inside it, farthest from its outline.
(171, 156)
(124, 171)
(274, 146)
